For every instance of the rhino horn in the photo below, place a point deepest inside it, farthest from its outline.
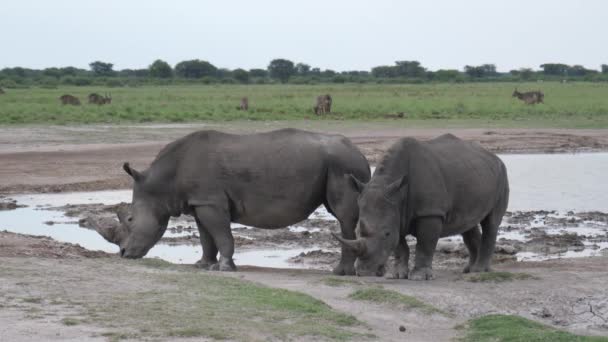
(357, 245)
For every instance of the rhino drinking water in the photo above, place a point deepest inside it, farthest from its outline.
(431, 189)
(268, 180)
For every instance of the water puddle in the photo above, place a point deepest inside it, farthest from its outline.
(562, 183)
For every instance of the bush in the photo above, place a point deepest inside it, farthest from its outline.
(82, 81)
(113, 83)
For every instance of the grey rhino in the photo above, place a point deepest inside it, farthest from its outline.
(432, 189)
(268, 180)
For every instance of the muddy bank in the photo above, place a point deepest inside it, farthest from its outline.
(90, 158)
(21, 245)
(523, 235)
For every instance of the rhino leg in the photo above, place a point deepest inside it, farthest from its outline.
(209, 257)
(216, 221)
(402, 259)
(428, 230)
(489, 227)
(341, 202)
(472, 239)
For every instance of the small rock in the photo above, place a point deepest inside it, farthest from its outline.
(401, 328)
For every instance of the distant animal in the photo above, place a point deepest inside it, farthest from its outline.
(530, 97)
(323, 105)
(69, 100)
(1, 91)
(429, 189)
(95, 98)
(268, 180)
(244, 104)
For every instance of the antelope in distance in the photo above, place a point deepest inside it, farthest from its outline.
(1, 91)
(95, 98)
(530, 97)
(244, 104)
(323, 105)
(69, 100)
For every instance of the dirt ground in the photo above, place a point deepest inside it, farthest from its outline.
(88, 158)
(568, 294)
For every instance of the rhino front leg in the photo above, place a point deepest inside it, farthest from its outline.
(216, 221)
(402, 258)
(428, 230)
(209, 257)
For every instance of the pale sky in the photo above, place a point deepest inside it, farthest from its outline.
(338, 35)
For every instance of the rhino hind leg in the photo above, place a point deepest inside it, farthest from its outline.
(472, 239)
(216, 221)
(489, 228)
(209, 257)
(428, 230)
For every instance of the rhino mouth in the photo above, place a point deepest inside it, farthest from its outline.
(378, 272)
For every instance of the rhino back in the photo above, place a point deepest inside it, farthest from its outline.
(269, 180)
(456, 180)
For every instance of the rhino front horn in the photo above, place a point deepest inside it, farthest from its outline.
(357, 246)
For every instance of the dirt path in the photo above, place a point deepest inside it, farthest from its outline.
(88, 158)
(41, 292)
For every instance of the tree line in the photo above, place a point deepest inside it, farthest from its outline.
(284, 71)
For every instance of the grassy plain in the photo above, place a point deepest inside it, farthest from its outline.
(570, 105)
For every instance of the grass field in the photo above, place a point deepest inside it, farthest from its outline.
(577, 105)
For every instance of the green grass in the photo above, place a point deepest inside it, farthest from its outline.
(201, 305)
(383, 296)
(337, 282)
(505, 328)
(475, 104)
(70, 321)
(497, 277)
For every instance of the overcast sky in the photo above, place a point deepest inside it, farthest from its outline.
(338, 35)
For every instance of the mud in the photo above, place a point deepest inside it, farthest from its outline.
(75, 158)
(534, 235)
(21, 245)
(8, 204)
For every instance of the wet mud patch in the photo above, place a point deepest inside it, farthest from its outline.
(20, 245)
(9, 204)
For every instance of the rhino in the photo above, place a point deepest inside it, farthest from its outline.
(267, 180)
(430, 190)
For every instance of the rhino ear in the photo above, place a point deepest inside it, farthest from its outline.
(137, 176)
(392, 189)
(356, 184)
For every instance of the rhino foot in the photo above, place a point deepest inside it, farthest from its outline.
(344, 269)
(224, 266)
(205, 263)
(400, 272)
(425, 273)
(478, 269)
(467, 269)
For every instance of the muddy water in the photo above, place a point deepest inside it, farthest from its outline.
(550, 182)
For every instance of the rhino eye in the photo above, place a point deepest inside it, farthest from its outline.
(387, 234)
(130, 219)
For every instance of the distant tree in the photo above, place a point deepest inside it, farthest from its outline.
(160, 69)
(328, 73)
(101, 69)
(52, 72)
(258, 73)
(525, 73)
(556, 69)
(195, 69)
(315, 71)
(302, 69)
(409, 69)
(384, 71)
(281, 69)
(223, 73)
(579, 70)
(604, 68)
(484, 70)
(242, 76)
(446, 74)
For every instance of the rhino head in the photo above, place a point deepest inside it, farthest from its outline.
(380, 217)
(144, 222)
